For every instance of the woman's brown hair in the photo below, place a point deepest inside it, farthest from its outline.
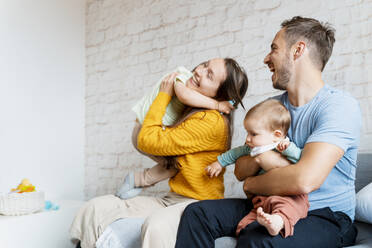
(233, 88)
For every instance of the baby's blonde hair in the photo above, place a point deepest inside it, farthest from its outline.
(272, 114)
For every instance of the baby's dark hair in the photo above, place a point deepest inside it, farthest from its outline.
(272, 114)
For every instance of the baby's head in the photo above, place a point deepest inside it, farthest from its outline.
(266, 123)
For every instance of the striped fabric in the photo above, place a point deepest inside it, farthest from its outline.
(196, 142)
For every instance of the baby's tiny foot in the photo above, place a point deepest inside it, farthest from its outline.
(273, 222)
(128, 190)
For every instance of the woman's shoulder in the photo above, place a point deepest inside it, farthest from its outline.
(208, 118)
(207, 114)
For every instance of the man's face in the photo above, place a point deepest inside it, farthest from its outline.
(279, 63)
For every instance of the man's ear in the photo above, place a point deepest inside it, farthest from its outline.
(298, 49)
(278, 133)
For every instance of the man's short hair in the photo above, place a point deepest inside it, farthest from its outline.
(320, 36)
(273, 115)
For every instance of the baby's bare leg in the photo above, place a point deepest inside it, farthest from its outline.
(151, 176)
(273, 222)
(271, 159)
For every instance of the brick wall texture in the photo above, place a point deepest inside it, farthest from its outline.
(130, 44)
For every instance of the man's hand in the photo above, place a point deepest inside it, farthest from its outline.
(167, 85)
(246, 166)
(249, 195)
(214, 169)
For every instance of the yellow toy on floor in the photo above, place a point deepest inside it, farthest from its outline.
(24, 186)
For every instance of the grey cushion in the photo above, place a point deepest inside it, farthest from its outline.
(225, 242)
(364, 171)
(364, 238)
(363, 177)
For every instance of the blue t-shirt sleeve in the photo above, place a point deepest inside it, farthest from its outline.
(232, 155)
(338, 122)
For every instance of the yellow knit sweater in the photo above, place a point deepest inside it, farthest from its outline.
(196, 142)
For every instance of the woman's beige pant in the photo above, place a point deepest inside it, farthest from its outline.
(162, 216)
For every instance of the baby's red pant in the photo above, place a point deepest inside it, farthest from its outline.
(290, 208)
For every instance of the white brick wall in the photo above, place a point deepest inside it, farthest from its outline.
(132, 43)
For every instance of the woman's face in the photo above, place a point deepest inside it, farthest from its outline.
(208, 77)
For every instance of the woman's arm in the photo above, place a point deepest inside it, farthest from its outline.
(199, 132)
(193, 98)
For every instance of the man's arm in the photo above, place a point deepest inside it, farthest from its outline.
(249, 166)
(307, 175)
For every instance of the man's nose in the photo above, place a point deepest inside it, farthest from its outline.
(266, 59)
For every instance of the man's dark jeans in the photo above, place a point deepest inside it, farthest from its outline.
(203, 222)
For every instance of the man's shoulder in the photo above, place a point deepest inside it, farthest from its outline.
(281, 97)
(328, 98)
(334, 93)
(336, 98)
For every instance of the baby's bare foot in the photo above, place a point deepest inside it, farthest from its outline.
(273, 222)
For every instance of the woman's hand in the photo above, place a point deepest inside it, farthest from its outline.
(167, 85)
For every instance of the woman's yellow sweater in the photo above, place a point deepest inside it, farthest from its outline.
(196, 142)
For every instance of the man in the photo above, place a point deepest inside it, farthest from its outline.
(325, 123)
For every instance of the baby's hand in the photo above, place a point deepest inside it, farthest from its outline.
(224, 107)
(283, 145)
(214, 169)
(167, 85)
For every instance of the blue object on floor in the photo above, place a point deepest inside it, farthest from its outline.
(50, 206)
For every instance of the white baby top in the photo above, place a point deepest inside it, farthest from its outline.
(174, 108)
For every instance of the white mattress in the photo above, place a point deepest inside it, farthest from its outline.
(44, 229)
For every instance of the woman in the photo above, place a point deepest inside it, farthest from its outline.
(196, 142)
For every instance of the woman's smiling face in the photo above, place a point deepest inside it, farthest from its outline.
(208, 77)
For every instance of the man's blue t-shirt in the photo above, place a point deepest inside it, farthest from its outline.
(333, 117)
